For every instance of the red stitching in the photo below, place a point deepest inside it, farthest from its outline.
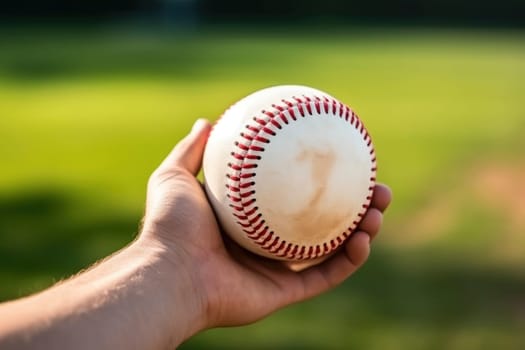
(266, 240)
(326, 107)
(268, 131)
(274, 242)
(341, 108)
(247, 194)
(261, 139)
(317, 107)
(273, 248)
(256, 228)
(269, 114)
(233, 198)
(245, 185)
(241, 187)
(248, 203)
(287, 247)
(301, 252)
(237, 155)
(294, 250)
(292, 113)
(260, 121)
(242, 146)
(279, 108)
(301, 110)
(309, 108)
(246, 136)
(257, 148)
(288, 103)
(283, 118)
(233, 188)
(255, 219)
(274, 122)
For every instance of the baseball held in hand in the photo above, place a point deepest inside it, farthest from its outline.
(290, 172)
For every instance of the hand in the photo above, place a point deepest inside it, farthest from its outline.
(234, 286)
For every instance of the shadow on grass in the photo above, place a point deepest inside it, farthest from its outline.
(437, 289)
(47, 235)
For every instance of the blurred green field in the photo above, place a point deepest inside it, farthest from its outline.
(86, 115)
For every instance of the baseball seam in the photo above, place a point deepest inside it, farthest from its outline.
(248, 150)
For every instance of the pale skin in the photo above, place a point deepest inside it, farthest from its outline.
(179, 277)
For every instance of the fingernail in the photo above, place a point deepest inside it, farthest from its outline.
(199, 124)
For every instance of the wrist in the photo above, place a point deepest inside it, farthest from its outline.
(174, 272)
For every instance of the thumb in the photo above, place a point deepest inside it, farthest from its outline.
(188, 153)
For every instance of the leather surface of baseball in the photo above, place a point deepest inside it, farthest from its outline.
(289, 171)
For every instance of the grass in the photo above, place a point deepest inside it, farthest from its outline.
(85, 116)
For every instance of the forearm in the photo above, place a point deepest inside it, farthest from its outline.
(130, 301)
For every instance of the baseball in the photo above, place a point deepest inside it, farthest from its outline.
(290, 172)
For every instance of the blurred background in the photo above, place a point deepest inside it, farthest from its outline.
(94, 94)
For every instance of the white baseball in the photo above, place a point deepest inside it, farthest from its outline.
(290, 172)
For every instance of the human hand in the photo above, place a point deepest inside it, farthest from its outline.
(232, 285)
